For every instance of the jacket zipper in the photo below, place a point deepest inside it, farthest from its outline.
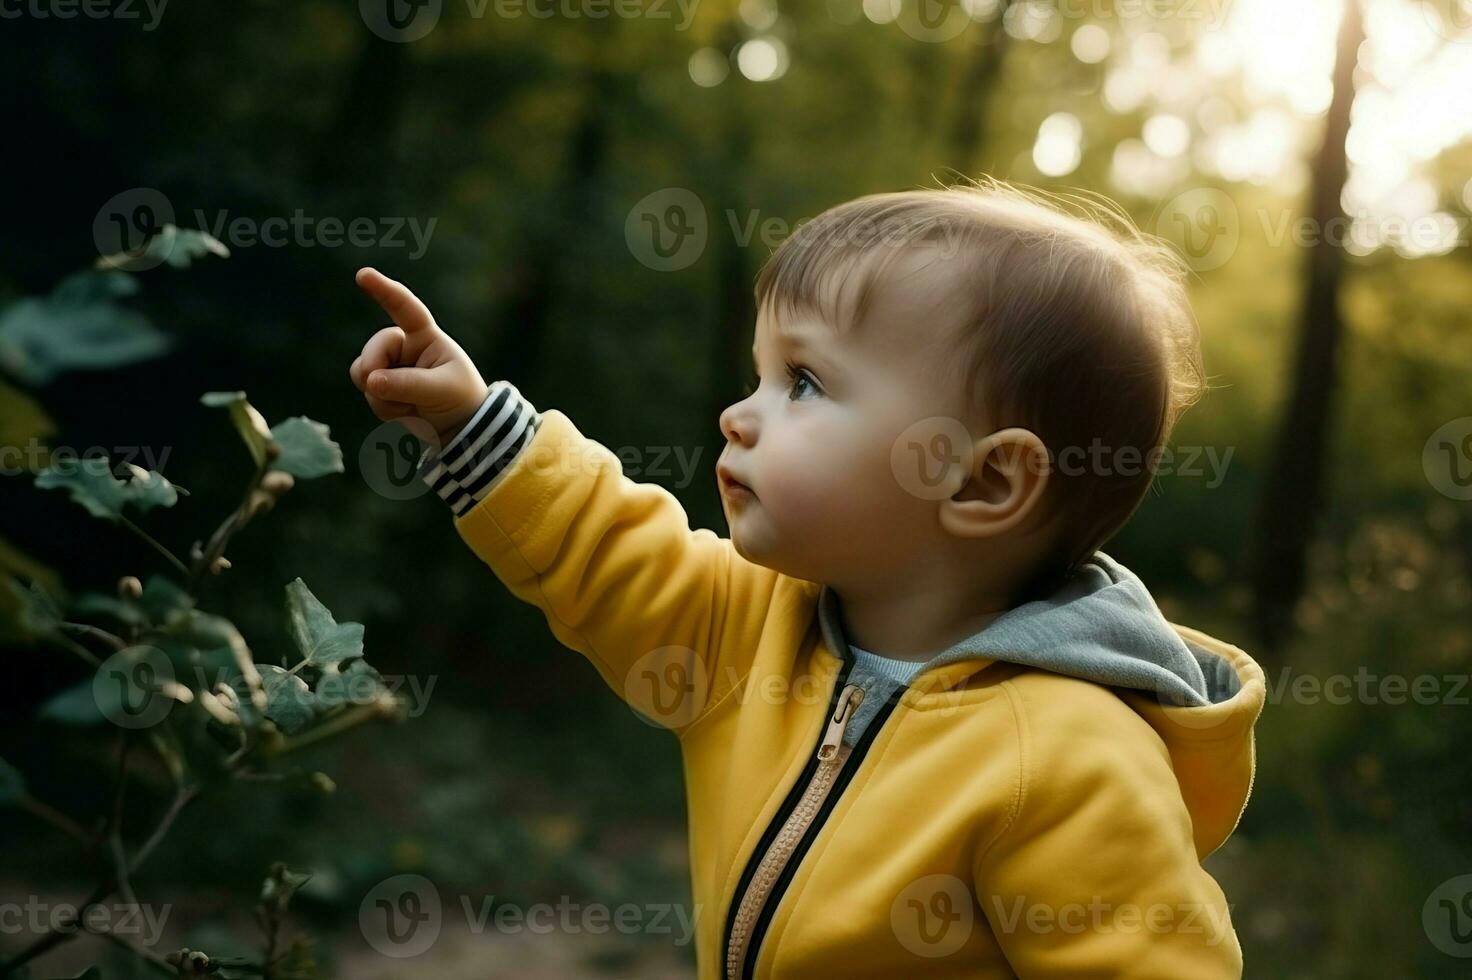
(795, 825)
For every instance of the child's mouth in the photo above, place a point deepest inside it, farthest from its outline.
(732, 488)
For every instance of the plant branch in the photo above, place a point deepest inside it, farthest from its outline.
(63, 930)
(56, 818)
(352, 717)
(86, 655)
(142, 952)
(204, 560)
(153, 543)
(112, 640)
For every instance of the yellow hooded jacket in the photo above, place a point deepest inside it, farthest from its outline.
(994, 819)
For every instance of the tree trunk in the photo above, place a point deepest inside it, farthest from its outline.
(1295, 483)
(987, 49)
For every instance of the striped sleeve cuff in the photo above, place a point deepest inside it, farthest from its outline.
(466, 469)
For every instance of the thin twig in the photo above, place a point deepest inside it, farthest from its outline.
(142, 952)
(87, 655)
(350, 718)
(61, 929)
(237, 519)
(116, 642)
(56, 818)
(153, 543)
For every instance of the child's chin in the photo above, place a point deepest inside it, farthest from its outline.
(746, 547)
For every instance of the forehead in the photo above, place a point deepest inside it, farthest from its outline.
(910, 302)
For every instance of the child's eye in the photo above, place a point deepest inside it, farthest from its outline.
(801, 383)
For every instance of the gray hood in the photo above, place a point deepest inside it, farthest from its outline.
(1102, 625)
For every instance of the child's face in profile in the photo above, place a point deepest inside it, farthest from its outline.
(818, 444)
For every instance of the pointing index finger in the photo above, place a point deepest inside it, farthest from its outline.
(397, 300)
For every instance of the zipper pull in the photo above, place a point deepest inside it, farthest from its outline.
(847, 702)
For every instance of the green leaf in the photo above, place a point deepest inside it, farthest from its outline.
(126, 686)
(13, 600)
(280, 885)
(40, 615)
(79, 326)
(90, 481)
(200, 668)
(289, 701)
(162, 597)
(77, 705)
(92, 287)
(179, 247)
(320, 638)
(354, 683)
(12, 784)
(90, 605)
(307, 451)
(207, 641)
(202, 629)
(248, 422)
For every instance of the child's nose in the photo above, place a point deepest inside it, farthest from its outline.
(738, 423)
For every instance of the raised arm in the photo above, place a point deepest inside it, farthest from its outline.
(669, 616)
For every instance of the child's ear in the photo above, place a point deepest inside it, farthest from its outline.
(1009, 474)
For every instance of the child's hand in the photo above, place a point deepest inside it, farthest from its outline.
(414, 369)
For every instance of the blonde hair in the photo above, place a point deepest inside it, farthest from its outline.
(1070, 322)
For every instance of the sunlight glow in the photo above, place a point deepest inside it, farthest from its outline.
(1090, 44)
(1412, 104)
(762, 59)
(708, 67)
(1059, 146)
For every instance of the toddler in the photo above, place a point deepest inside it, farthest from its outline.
(928, 728)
